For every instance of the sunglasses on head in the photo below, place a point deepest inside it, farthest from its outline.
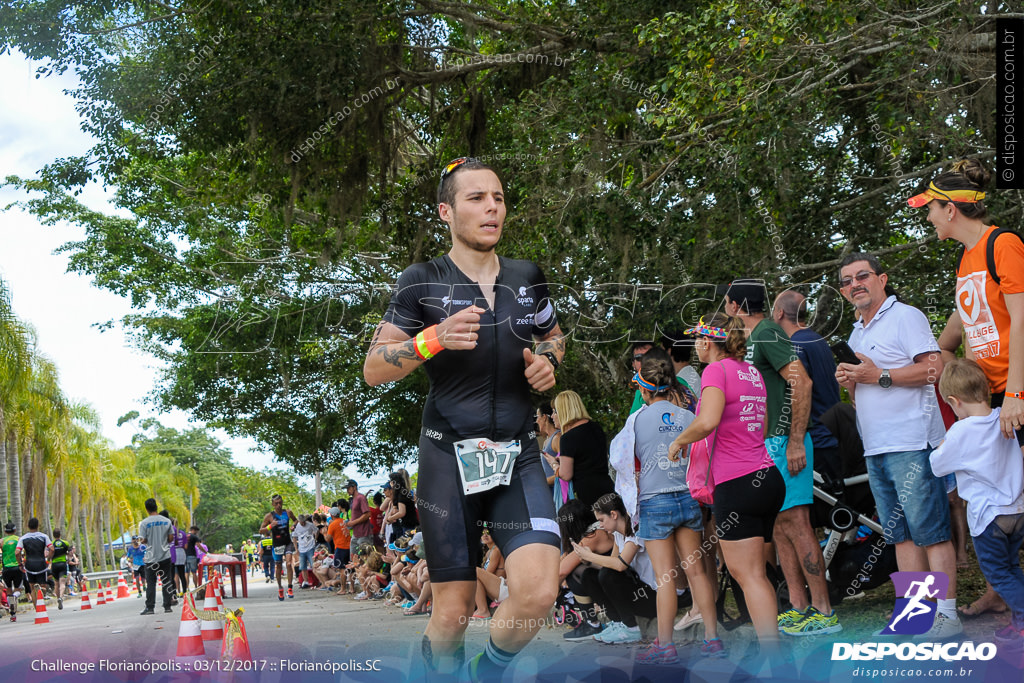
(452, 165)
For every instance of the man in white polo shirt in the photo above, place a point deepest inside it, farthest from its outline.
(899, 422)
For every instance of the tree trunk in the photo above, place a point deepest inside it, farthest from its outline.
(98, 530)
(44, 504)
(14, 476)
(110, 541)
(26, 480)
(319, 492)
(83, 533)
(5, 513)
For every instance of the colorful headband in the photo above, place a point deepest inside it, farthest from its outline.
(962, 196)
(647, 385)
(704, 330)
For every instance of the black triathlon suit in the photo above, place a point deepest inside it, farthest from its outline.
(59, 563)
(481, 392)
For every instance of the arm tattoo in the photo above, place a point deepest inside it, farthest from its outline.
(397, 354)
(555, 345)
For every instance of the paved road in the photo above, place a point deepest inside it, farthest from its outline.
(287, 638)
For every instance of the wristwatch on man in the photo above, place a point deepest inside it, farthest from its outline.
(551, 357)
(885, 381)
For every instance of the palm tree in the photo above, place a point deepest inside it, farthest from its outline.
(14, 364)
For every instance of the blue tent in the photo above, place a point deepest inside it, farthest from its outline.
(119, 543)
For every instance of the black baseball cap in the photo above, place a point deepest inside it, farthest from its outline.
(9, 527)
(351, 483)
(751, 294)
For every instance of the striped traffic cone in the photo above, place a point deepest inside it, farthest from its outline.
(85, 596)
(41, 616)
(219, 592)
(110, 593)
(190, 637)
(122, 587)
(235, 646)
(99, 595)
(212, 630)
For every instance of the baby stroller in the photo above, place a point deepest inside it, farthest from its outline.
(567, 611)
(856, 555)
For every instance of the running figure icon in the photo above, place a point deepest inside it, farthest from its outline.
(917, 599)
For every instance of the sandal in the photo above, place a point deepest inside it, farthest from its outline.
(414, 613)
(689, 619)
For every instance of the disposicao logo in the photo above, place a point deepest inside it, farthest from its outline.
(915, 611)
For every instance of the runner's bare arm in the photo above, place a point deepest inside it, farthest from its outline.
(392, 353)
(266, 524)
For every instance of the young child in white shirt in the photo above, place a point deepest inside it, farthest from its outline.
(989, 472)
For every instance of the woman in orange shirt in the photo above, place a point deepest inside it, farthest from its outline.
(989, 297)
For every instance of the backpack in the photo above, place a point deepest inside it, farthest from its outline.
(990, 252)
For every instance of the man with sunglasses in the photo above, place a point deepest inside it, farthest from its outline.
(472, 319)
(899, 422)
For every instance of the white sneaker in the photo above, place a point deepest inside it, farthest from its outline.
(943, 628)
(609, 632)
(624, 634)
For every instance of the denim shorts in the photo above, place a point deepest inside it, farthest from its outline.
(661, 515)
(306, 560)
(799, 489)
(911, 501)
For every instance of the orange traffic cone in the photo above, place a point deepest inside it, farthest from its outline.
(110, 593)
(190, 637)
(41, 617)
(212, 630)
(85, 596)
(218, 590)
(122, 587)
(236, 641)
(99, 595)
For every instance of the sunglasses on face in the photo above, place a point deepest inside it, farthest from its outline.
(638, 357)
(860, 277)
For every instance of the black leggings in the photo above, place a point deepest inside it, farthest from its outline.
(623, 595)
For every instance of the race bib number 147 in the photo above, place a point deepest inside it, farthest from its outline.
(484, 464)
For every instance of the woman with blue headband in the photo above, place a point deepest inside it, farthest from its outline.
(670, 519)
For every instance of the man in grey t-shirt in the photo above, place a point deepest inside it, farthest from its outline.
(157, 533)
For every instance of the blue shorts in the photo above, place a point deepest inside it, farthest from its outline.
(306, 560)
(662, 514)
(799, 489)
(911, 501)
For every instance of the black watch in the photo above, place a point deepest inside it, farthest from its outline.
(551, 357)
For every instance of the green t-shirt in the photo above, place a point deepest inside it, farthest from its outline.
(638, 402)
(60, 551)
(770, 350)
(9, 544)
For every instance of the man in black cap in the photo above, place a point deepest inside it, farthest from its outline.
(359, 523)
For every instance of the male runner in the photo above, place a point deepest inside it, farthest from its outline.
(267, 556)
(277, 523)
(34, 551)
(13, 576)
(474, 316)
(137, 553)
(59, 566)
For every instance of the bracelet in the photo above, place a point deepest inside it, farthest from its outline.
(619, 556)
(1015, 394)
(427, 344)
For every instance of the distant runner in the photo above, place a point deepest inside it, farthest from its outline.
(278, 522)
(34, 552)
(13, 576)
(59, 566)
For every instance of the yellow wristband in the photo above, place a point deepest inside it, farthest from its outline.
(421, 347)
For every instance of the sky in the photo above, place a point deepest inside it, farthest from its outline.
(38, 124)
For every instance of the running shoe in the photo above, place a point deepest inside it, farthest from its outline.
(790, 617)
(582, 632)
(656, 654)
(814, 623)
(362, 596)
(14, 617)
(623, 634)
(609, 631)
(409, 604)
(60, 603)
(290, 593)
(280, 594)
(943, 628)
(712, 648)
(1010, 637)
